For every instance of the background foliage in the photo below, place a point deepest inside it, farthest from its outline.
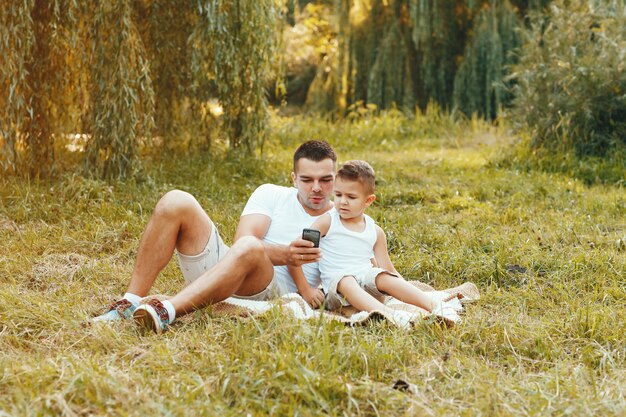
(406, 53)
(236, 44)
(570, 88)
(108, 77)
(114, 80)
(122, 98)
(546, 250)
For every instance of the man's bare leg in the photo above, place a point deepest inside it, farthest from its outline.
(178, 221)
(245, 270)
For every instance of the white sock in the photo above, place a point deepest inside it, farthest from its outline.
(134, 299)
(171, 311)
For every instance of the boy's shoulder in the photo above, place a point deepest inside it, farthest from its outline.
(379, 230)
(370, 220)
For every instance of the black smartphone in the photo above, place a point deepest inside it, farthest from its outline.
(312, 235)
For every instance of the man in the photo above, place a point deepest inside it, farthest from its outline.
(255, 267)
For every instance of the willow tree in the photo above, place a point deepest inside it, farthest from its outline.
(407, 53)
(16, 44)
(39, 79)
(234, 43)
(438, 32)
(165, 27)
(122, 98)
(387, 78)
(399, 52)
(480, 86)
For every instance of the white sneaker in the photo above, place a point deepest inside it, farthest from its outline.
(439, 296)
(447, 311)
(402, 319)
(119, 310)
(152, 315)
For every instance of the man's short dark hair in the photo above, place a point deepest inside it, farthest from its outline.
(359, 171)
(315, 150)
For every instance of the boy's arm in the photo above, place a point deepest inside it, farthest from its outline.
(380, 252)
(313, 296)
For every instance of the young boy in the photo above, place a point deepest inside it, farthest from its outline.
(355, 266)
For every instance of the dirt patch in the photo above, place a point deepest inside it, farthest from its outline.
(8, 225)
(48, 270)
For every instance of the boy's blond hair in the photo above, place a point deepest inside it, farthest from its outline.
(360, 171)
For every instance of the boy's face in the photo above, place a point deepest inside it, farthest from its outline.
(351, 198)
(314, 181)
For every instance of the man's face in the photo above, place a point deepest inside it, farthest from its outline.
(314, 181)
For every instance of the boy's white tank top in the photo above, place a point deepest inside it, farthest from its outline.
(345, 252)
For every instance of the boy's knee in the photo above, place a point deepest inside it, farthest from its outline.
(346, 283)
(383, 278)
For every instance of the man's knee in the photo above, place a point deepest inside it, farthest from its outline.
(175, 203)
(248, 249)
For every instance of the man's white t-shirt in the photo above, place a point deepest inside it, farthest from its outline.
(288, 218)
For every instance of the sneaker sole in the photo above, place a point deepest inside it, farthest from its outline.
(145, 320)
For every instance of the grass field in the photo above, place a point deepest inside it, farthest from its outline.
(546, 251)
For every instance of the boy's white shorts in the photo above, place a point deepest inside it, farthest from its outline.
(334, 300)
(192, 266)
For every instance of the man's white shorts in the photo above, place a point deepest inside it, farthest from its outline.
(192, 266)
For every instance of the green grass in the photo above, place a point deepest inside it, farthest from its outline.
(548, 341)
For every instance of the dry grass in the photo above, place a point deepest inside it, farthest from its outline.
(546, 338)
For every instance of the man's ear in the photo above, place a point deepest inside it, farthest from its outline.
(370, 199)
(293, 178)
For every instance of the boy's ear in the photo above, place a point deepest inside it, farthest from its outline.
(293, 178)
(370, 199)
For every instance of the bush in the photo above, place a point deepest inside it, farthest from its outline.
(570, 92)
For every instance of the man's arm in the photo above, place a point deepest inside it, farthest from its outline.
(311, 295)
(380, 252)
(297, 253)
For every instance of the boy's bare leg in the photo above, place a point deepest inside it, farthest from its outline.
(361, 299)
(357, 296)
(245, 270)
(404, 291)
(178, 221)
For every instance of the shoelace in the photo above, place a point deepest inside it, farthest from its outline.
(160, 310)
(120, 305)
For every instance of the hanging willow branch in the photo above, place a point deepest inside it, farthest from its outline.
(17, 39)
(234, 44)
(165, 27)
(40, 74)
(122, 97)
(410, 52)
(479, 86)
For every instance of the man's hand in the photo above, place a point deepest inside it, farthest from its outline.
(313, 296)
(302, 252)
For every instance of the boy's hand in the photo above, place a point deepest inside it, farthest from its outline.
(302, 252)
(313, 296)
